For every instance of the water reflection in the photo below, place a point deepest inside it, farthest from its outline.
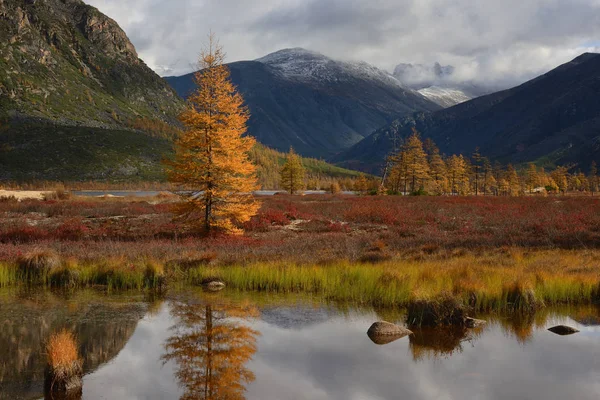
(26, 323)
(211, 346)
(435, 343)
(201, 346)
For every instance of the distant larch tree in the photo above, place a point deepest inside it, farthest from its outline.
(292, 173)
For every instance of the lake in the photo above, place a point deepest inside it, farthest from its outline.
(151, 193)
(227, 345)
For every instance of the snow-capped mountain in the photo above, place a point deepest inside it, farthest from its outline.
(308, 66)
(437, 83)
(318, 105)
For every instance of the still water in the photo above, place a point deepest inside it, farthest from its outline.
(195, 345)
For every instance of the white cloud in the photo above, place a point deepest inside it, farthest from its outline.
(497, 41)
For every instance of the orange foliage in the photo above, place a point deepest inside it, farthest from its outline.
(212, 154)
(211, 347)
(62, 351)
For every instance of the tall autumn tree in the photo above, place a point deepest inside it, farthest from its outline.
(212, 153)
(476, 159)
(512, 178)
(437, 168)
(415, 160)
(458, 175)
(593, 178)
(292, 173)
(559, 175)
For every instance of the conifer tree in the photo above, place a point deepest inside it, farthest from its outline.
(415, 159)
(593, 178)
(458, 175)
(398, 173)
(292, 173)
(512, 178)
(476, 157)
(361, 184)
(559, 175)
(487, 175)
(437, 167)
(212, 153)
(531, 177)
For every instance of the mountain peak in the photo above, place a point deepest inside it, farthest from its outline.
(310, 66)
(293, 52)
(584, 57)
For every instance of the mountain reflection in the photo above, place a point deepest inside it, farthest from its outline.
(211, 345)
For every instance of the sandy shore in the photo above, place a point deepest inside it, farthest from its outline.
(23, 194)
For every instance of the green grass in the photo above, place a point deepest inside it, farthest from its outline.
(8, 275)
(111, 274)
(517, 282)
(522, 283)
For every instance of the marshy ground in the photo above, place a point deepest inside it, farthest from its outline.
(487, 253)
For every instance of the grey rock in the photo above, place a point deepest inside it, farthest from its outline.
(383, 332)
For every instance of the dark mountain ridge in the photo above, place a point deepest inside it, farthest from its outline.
(317, 105)
(552, 119)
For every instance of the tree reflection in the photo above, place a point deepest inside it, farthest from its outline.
(211, 346)
(440, 342)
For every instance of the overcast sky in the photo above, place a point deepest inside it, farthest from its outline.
(504, 41)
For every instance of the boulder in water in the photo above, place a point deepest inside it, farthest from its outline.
(563, 330)
(383, 332)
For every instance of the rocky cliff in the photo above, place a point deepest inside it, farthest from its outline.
(66, 62)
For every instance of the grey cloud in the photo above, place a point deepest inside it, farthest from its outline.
(500, 42)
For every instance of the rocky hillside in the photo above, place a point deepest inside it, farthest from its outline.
(66, 62)
(315, 104)
(75, 99)
(552, 119)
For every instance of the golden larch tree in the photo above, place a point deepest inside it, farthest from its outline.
(458, 175)
(437, 167)
(416, 160)
(212, 153)
(292, 173)
(361, 184)
(593, 178)
(514, 185)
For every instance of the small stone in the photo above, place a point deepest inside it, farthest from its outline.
(563, 330)
(474, 322)
(213, 286)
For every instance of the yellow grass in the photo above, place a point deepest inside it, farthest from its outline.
(62, 351)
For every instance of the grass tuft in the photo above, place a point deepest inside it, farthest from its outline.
(36, 265)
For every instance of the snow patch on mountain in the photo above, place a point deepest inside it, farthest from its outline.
(445, 97)
(308, 66)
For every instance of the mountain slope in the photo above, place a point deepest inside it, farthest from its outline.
(552, 119)
(71, 83)
(65, 61)
(317, 105)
